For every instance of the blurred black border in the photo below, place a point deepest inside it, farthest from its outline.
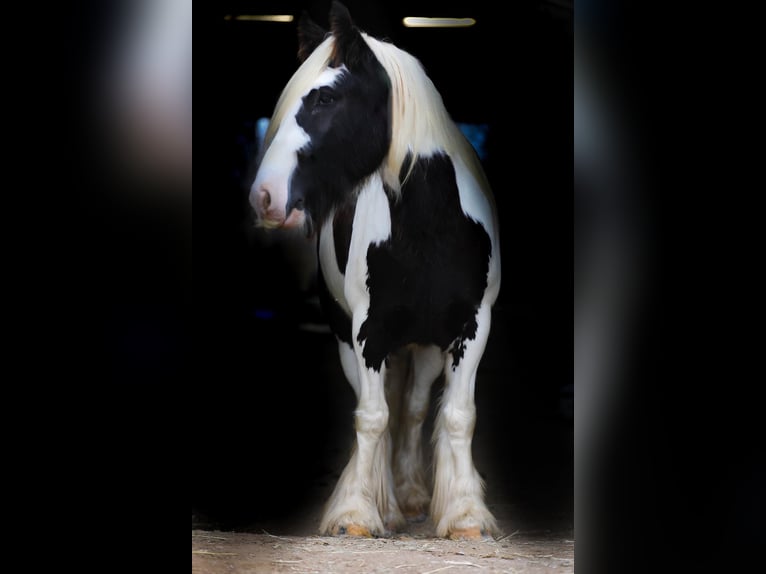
(679, 483)
(689, 440)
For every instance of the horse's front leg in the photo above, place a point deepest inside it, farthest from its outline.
(457, 506)
(365, 484)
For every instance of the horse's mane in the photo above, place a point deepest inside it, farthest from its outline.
(420, 124)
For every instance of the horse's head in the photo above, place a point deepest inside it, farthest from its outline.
(330, 129)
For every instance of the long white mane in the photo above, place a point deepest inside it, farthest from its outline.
(420, 124)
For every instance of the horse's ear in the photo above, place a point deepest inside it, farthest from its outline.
(310, 35)
(350, 47)
(340, 18)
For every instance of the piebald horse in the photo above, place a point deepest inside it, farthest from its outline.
(361, 150)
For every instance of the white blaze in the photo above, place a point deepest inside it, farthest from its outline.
(279, 162)
(281, 157)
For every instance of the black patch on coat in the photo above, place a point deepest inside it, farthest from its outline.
(426, 282)
(349, 125)
(468, 334)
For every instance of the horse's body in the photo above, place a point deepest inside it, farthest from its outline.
(361, 148)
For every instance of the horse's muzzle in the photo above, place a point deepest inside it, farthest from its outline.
(270, 215)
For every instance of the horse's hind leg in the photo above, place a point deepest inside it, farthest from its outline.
(398, 373)
(458, 508)
(409, 470)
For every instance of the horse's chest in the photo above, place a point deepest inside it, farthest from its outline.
(418, 265)
(345, 240)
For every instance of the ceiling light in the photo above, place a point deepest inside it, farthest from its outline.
(261, 18)
(422, 22)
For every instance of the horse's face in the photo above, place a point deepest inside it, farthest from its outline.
(334, 135)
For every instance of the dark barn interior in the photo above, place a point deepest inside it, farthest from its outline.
(271, 413)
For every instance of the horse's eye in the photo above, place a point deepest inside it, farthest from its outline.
(325, 98)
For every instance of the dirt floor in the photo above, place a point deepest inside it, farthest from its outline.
(294, 547)
(217, 552)
(529, 542)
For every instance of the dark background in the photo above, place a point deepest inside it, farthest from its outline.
(272, 401)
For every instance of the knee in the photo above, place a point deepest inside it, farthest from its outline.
(459, 422)
(371, 422)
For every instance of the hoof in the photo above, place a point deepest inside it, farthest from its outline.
(415, 514)
(353, 530)
(465, 534)
(393, 521)
(392, 528)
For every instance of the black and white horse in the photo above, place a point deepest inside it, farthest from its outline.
(361, 149)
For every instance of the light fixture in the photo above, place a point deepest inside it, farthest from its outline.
(423, 22)
(260, 18)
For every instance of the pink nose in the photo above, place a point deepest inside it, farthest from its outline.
(262, 200)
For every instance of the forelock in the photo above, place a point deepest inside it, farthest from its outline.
(300, 83)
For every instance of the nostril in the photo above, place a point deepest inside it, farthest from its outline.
(265, 198)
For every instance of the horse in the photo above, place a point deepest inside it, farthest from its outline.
(361, 151)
